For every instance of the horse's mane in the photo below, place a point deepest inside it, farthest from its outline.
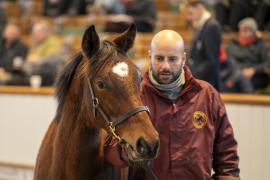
(107, 51)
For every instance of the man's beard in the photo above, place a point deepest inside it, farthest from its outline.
(175, 76)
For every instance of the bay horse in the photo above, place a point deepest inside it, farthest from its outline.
(97, 93)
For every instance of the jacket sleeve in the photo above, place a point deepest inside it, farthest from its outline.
(225, 158)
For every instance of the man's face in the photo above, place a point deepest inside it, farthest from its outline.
(245, 32)
(193, 14)
(167, 62)
(39, 34)
(11, 33)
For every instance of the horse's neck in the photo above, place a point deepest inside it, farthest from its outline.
(78, 146)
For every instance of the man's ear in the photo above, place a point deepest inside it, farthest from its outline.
(185, 57)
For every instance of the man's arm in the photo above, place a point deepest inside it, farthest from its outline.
(225, 158)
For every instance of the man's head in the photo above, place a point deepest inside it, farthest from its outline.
(40, 32)
(247, 28)
(11, 33)
(167, 56)
(194, 10)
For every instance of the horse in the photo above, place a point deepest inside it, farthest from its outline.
(98, 96)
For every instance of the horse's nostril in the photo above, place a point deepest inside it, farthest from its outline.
(142, 147)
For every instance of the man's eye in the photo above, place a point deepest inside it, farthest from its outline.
(101, 84)
(172, 59)
(159, 58)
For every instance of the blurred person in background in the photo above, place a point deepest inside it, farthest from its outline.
(232, 78)
(110, 6)
(12, 53)
(70, 7)
(44, 44)
(141, 12)
(46, 51)
(205, 48)
(251, 53)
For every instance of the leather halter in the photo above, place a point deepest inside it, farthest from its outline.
(112, 124)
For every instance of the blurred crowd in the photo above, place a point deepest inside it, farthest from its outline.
(240, 66)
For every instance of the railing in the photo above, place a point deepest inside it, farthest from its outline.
(227, 98)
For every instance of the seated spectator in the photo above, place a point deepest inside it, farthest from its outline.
(141, 12)
(44, 44)
(45, 50)
(71, 7)
(251, 53)
(232, 78)
(12, 51)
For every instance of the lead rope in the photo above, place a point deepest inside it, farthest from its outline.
(143, 164)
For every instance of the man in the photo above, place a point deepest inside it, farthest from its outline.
(12, 55)
(44, 56)
(204, 52)
(195, 133)
(11, 47)
(251, 53)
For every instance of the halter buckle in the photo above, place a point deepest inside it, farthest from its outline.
(95, 102)
(112, 130)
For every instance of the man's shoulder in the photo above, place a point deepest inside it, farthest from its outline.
(212, 25)
(206, 87)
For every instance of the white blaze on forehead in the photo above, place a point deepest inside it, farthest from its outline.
(121, 69)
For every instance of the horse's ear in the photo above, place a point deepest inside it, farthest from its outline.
(125, 41)
(90, 41)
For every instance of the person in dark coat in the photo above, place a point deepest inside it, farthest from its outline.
(251, 53)
(205, 47)
(232, 78)
(71, 7)
(11, 48)
(141, 12)
(144, 14)
(196, 136)
(12, 56)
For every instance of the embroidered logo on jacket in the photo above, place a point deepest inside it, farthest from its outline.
(199, 119)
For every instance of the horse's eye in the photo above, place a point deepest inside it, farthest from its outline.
(101, 84)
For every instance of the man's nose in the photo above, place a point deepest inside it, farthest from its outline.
(165, 64)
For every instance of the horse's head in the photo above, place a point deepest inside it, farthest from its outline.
(108, 83)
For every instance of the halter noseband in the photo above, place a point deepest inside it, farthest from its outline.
(112, 124)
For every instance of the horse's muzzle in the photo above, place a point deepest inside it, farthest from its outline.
(147, 150)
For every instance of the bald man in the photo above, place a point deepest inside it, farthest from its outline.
(196, 136)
